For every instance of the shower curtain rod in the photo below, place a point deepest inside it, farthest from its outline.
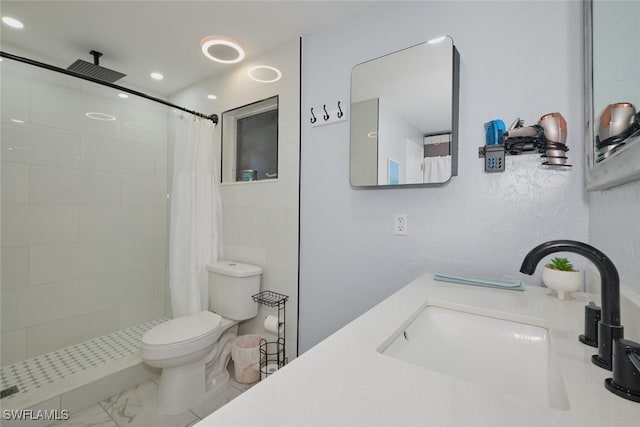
(212, 117)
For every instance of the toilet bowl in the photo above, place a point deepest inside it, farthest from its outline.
(193, 351)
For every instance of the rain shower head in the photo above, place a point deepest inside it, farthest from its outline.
(95, 70)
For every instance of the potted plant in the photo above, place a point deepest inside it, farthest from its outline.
(560, 276)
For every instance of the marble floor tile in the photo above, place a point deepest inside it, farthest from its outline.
(222, 397)
(93, 416)
(136, 407)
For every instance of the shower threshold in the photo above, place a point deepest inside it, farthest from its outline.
(78, 374)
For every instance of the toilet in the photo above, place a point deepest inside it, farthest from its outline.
(193, 351)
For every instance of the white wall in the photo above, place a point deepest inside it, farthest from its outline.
(260, 218)
(478, 224)
(84, 235)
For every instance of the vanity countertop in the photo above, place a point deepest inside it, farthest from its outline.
(345, 381)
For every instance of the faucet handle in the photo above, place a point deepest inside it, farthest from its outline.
(626, 370)
(592, 314)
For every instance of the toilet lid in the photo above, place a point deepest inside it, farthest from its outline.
(182, 329)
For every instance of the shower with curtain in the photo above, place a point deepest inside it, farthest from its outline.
(85, 220)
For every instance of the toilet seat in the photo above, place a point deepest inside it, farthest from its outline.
(180, 336)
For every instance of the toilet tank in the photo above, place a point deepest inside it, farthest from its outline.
(231, 285)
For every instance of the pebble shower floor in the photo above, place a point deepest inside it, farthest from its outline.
(30, 374)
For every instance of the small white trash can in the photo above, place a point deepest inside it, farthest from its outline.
(246, 358)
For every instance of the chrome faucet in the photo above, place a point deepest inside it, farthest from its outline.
(609, 327)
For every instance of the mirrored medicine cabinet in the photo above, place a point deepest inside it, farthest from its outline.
(612, 77)
(404, 117)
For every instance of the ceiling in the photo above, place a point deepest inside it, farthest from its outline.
(143, 36)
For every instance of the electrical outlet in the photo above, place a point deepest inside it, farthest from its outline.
(400, 225)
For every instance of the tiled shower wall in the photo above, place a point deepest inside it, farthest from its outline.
(84, 211)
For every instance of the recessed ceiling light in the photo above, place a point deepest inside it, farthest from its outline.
(101, 116)
(264, 74)
(222, 49)
(123, 95)
(212, 96)
(157, 76)
(12, 22)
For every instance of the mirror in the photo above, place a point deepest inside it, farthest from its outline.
(612, 67)
(404, 117)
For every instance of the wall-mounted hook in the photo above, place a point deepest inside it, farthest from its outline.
(329, 116)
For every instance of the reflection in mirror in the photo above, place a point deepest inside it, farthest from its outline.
(616, 76)
(250, 142)
(404, 109)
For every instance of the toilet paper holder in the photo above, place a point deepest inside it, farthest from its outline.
(272, 353)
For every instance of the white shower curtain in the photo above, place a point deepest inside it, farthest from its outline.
(437, 169)
(195, 235)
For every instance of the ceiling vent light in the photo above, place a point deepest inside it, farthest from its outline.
(264, 74)
(212, 96)
(12, 22)
(222, 49)
(157, 76)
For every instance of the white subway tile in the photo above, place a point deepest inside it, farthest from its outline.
(140, 312)
(138, 158)
(15, 98)
(51, 263)
(62, 186)
(247, 227)
(61, 107)
(55, 186)
(161, 222)
(99, 292)
(31, 305)
(143, 254)
(137, 286)
(143, 191)
(24, 144)
(97, 258)
(101, 154)
(100, 223)
(161, 281)
(161, 160)
(138, 222)
(14, 346)
(100, 189)
(15, 266)
(23, 225)
(61, 333)
(15, 183)
(144, 125)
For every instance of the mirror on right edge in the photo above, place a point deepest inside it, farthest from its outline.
(404, 117)
(612, 113)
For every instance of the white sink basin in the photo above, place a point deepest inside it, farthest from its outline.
(506, 353)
